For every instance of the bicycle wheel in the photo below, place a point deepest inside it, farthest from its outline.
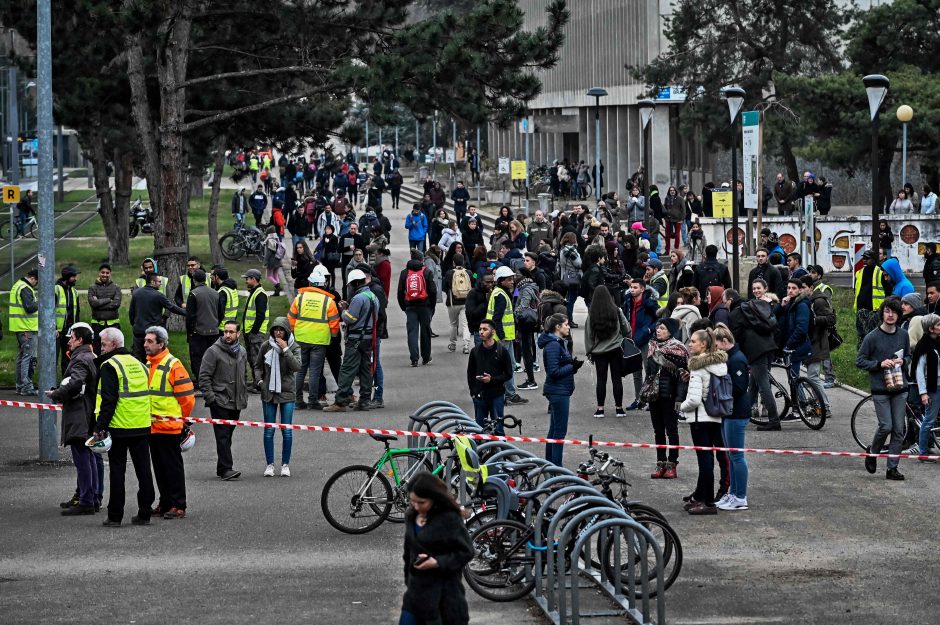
(668, 541)
(5, 230)
(232, 246)
(32, 228)
(497, 570)
(636, 509)
(407, 466)
(356, 499)
(809, 404)
(865, 424)
(759, 414)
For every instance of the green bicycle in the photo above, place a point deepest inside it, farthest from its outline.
(359, 498)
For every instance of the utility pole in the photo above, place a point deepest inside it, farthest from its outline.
(12, 139)
(48, 438)
(59, 156)
(480, 159)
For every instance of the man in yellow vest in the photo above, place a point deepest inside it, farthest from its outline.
(24, 323)
(171, 395)
(228, 295)
(186, 282)
(254, 321)
(869, 293)
(67, 310)
(149, 266)
(314, 320)
(122, 410)
(500, 311)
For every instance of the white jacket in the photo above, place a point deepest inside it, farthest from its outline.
(686, 315)
(701, 369)
(448, 237)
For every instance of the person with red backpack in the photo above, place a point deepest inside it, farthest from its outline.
(417, 295)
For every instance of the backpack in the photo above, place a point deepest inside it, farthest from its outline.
(367, 223)
(718, 400)
(759, 316)
(340, 206)
(354, 179)
(415, 286)
(709, 275)
(280, 251)
(460, 284)
(310, 210)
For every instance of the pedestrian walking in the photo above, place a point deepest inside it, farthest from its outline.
(457, 287)
(560, 367)
(77, 394)
(24, 323)
(417, 296)
(275, 366)
(361, 319)
(314, 321)
(604, 331)
(666, 359)
(437, 547)
(171, 395)
(222, 380)
(499, 309)
(254, 320)
(123, 414)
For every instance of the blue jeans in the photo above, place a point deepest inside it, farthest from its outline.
(379, 388)
(930, 420)
(558, 406)
(733, 431)
(510, 384)
(570, 300)
(287, 435)
(477, 341)
(492, 408)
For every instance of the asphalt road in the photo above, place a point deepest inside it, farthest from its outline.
(823, 542)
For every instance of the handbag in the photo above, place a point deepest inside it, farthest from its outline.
(527, 318)
(649, 392)
(632, 357)
(332, 257)
(835, 339)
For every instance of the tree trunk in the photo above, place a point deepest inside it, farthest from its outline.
(884, 178)
(123, 187)
(789, 160)
(143, 120)
(214, 249)
(117, 252)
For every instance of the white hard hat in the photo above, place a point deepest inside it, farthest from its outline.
(318, 276)
(81, 324)
(99, 446)
(188, 441)
(356, 274)
(503, 272)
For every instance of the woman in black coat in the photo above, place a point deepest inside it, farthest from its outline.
(329, 255)
(437, 547)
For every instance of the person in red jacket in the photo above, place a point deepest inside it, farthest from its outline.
(383, 267)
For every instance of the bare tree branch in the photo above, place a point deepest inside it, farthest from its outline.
(248, 72)
(250, 109)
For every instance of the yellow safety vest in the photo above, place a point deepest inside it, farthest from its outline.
(133, 407)
(663, 299)
(509, 321)
(251, 313)
(20, 320)
(61, 309)
(186, 283)
(313, 323)
(822, 288)
(877, 288)
(139, 283)
(231, 305)
(162, 398)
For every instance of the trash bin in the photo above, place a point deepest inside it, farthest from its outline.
(545, 202)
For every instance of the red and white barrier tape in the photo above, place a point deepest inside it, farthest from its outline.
(534, 439)
(29, 404)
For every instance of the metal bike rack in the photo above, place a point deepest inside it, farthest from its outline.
(507, 455)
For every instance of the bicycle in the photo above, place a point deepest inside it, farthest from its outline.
(811, 409)
(242, 240)
(366, 493)
(29, 228)
(865, 424)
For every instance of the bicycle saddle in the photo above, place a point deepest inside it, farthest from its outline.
(382, 438)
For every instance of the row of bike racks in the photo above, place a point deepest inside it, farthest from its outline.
(582, 523)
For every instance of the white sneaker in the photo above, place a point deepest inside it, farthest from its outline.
(727, 498)
(269, 471)
(285, 471)
(733, 504)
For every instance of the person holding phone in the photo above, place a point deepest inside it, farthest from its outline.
(488, 368)
(437, 547)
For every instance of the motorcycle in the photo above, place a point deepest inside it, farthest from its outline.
(141, 219)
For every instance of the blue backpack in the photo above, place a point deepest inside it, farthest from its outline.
(719, 401)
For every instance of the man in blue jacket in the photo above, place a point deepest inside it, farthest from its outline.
(417, 225)
(794, 315)
(640, 310)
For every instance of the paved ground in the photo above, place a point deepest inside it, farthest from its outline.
(824, 542)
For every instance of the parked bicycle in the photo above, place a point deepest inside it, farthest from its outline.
(865, 424)
(809, 407)
(242, 240)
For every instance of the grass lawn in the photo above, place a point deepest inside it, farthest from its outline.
(843, 359)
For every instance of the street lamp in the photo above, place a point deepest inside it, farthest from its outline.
(646, 116)
(876, 87)
(735, 98)
(597, 93)
(905, 114)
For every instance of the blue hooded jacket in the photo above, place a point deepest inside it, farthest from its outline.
(559, 370)
(417, 226)
(902, 286)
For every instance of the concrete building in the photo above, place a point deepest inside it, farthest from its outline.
(602, 37)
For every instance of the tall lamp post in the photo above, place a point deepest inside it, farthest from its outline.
(646, 117)
(876, 87)
(597, 93)
(905, 114)
(735, 98)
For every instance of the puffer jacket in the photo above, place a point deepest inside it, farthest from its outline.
(569, 264)
(289, 363)
(528, 294)
(77, 396)
(559, 367)
(686, 314)
(701, 369)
